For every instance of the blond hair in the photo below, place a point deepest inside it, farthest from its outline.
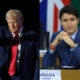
(14, 13)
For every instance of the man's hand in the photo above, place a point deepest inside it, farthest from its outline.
(68, 40)
(63, 36)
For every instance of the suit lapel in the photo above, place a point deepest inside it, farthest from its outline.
(77, 38)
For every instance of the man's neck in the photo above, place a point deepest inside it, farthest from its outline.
(19, 33)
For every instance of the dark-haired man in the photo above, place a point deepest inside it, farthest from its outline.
(65, 44)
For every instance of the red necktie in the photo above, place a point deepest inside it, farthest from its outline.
(13, 59)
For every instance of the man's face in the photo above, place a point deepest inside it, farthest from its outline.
(14, 25)
(69, 23)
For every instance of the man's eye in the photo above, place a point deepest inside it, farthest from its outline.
(64, 20)
(72, 19)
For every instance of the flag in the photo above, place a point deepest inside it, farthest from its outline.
(43, 13)
(76, 4)
(49, 14)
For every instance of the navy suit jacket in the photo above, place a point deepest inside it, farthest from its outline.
(28, 54)
(62, 51)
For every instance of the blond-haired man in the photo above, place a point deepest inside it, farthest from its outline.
(20, 50)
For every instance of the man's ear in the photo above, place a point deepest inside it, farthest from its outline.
(61, 22)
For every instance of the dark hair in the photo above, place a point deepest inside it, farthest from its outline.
(70, 10)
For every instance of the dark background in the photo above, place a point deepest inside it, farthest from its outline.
(29, 8)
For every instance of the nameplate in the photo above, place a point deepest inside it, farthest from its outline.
(50, 74)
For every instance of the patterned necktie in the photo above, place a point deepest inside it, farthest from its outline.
(13, 59)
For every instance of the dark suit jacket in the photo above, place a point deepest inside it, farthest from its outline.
(66, 57)
(29, 54)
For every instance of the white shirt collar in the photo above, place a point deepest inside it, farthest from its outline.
(19, 32)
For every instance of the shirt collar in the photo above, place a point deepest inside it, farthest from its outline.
(74, 35)
(19, 32)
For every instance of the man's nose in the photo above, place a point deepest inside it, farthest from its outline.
(12, 25)
(69, 23)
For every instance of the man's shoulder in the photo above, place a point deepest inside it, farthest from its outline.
(30, 32)
(55, 33)
(3, 30)
(79, 28)
(31, 35)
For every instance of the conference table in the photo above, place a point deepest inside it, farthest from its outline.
(51, 74)
(60, 74)
(70, 74)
